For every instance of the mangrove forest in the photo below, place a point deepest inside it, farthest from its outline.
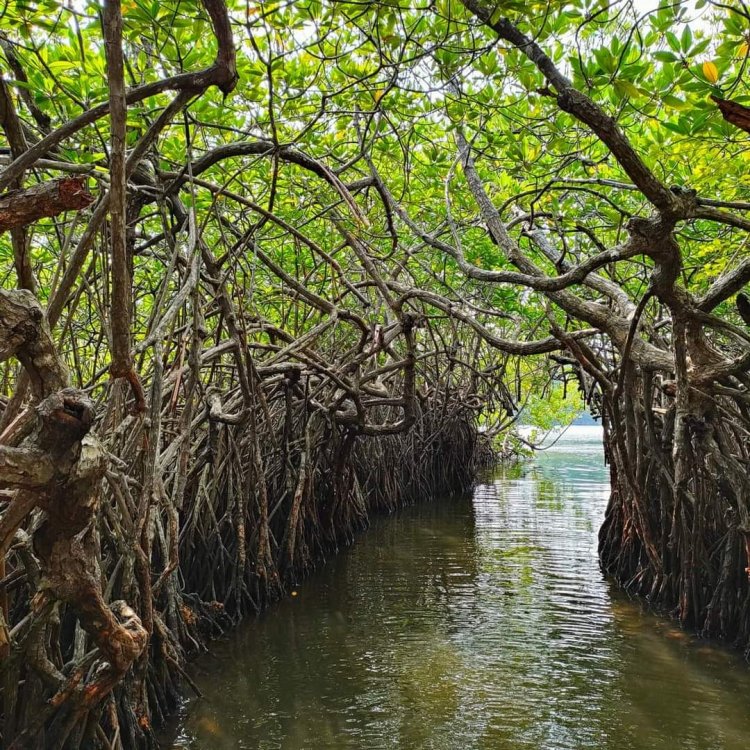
(272, 270)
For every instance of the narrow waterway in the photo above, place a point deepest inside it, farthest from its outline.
(469, 623)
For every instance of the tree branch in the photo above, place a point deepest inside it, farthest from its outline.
(223, 74)
(576, 103)
(21, 207)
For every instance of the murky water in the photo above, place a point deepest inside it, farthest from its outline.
(468, 623)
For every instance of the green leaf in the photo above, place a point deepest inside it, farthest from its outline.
(626, 88)
(666, 56)
(686, 40)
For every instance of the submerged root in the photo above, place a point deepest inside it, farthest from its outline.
(676, 527)
(253, 518)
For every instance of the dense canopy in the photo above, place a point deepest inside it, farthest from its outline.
(267, 266)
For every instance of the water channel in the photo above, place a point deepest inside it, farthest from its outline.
(478, 622)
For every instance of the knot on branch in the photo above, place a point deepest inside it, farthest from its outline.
(637, 226)
(73, 193)
(653, 229)
(20, 318)
(26, 332)
(685, 201)
(121, 646)
(131, 624)
(226, 78)
(66, 417)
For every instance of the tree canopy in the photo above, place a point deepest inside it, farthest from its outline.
(351, 120)
(244, 241)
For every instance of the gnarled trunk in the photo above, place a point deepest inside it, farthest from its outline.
(54, 467)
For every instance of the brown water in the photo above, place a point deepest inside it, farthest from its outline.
(475, 622)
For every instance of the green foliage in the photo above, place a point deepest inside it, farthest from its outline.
(557, 407)
(336, 79)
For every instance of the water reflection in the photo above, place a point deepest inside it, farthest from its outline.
(473, 624)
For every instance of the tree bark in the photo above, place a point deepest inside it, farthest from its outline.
(21, 207)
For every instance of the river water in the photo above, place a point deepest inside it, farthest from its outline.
(474, 622)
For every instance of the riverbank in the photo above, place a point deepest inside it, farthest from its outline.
(480, 621)
(242, 510)
(349, 482)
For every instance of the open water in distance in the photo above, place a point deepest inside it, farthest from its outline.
(469, 623)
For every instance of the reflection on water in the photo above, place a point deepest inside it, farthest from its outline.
(465, 624)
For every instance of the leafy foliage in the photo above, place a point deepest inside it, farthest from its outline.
(404, 212)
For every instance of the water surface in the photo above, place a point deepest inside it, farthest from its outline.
(474, 622)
